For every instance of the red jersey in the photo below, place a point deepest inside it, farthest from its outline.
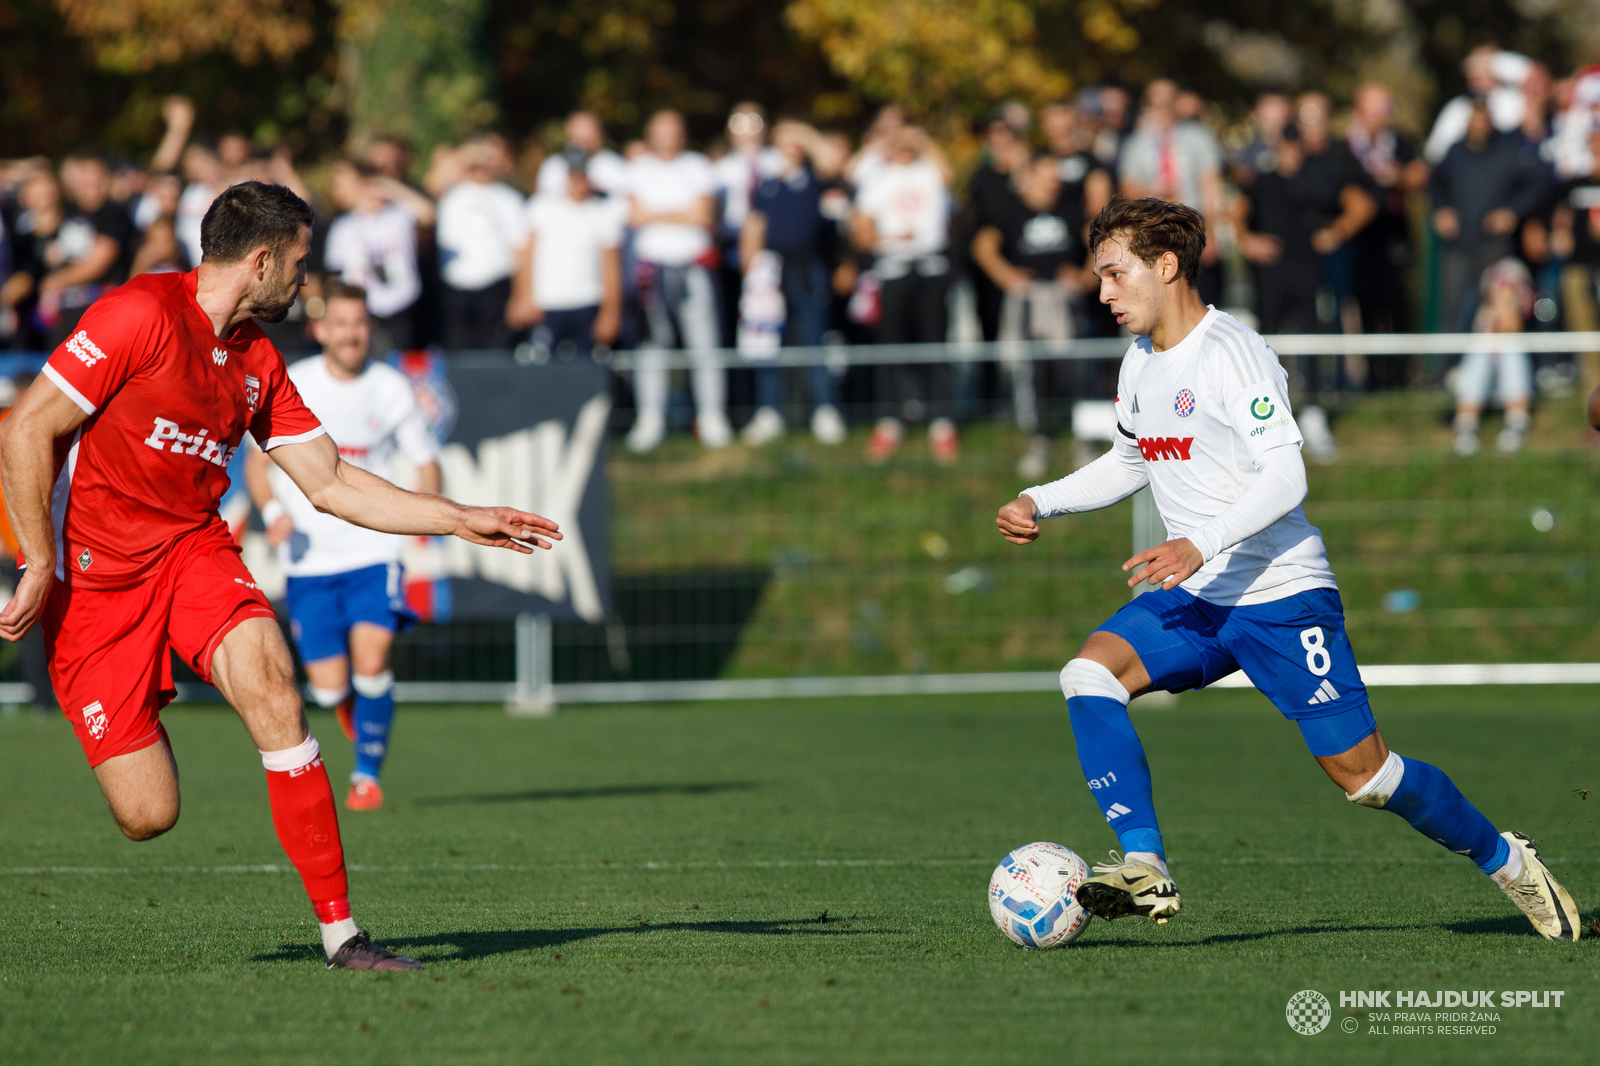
(168, 403)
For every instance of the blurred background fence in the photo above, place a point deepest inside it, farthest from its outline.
(799, 559)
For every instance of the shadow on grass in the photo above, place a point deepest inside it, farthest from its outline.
(536, 795)
(471, 945)
(1508, 926)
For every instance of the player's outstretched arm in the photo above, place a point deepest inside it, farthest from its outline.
(1113, 477)
(348, 492)
(27, 475)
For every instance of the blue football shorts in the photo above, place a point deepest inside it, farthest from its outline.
(1294, 650)
(323, 608)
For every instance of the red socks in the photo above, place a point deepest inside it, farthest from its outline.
(307, 822)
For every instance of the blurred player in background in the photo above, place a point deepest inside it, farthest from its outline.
(112, 464)
(1244, 583)
(346, 600)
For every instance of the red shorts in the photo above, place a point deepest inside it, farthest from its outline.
(110, 649)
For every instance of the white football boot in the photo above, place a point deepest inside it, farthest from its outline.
(1129, 886)
(1538, 895)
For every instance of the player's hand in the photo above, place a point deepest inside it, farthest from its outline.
(1016, 520)
(1500, 221)
(1167, 564)
(1447, 223)
(505, 527)
(280, 530)
(28, 603)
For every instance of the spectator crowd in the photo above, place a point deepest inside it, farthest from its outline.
(783, 234)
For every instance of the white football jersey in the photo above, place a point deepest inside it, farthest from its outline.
(369, 418)
(1199, 414)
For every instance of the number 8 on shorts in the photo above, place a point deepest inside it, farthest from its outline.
(1318, 661)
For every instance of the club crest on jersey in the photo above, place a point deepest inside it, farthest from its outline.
(167, 433)
(94, 719)
(85, 349)
(252, 391)
(1154, 448)
(1184, 404)
(1262, 408)
(219, 356)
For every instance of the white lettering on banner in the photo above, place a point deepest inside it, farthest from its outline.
(542, 470)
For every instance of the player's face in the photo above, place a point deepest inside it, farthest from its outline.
(344, 332)
(275, 292)
(1129, 286)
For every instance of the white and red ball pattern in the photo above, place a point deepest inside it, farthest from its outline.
(1031, 895)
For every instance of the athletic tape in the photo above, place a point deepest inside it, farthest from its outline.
(374, 686)
(291, 759)
(1085, 677)
(1376, 792)
(329, 697)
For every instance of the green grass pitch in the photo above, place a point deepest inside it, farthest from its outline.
(649, 885)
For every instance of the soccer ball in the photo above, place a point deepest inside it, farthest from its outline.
(1031, 895)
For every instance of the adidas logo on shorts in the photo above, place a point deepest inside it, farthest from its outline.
(1325, 693)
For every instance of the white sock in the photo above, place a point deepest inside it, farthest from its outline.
(1149, 858)
(334, 934)
(1511, 870)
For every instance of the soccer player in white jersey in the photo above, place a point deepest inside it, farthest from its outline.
(345, 597)
(1243, 584)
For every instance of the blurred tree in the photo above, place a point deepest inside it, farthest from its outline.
(59, 90)
(131, 36)
(626, 58)
(419, 70)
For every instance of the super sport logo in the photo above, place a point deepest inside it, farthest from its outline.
(208, 448)
(1154, 448)
(85, 349)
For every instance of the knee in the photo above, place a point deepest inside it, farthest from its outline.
(147, 824)
(1086, 677)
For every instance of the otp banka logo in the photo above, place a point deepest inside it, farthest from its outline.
(167, 433)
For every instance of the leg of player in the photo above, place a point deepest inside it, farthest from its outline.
(329, 682)
(253, 670)
(141, 788)
(1098, 684)
(374, 711)
(1424, 796)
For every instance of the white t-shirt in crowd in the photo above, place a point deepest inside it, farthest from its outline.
(568, 239)
(480, 228)
(909, 207)
(1200, 415)
(737, 177)
(193, 203)
(608, 172)
(1180, 157)
(369, 418)
(670, 185)
(378, 251)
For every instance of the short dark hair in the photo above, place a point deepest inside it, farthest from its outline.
(343, 290)
(248, 215)
(1154, 227)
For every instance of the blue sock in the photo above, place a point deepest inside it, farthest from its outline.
(1117, 771)
(374, 711)
(1433, 805)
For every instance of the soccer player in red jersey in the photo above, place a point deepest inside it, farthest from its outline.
(112, 464)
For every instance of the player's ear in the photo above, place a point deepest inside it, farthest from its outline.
(1167, 265)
